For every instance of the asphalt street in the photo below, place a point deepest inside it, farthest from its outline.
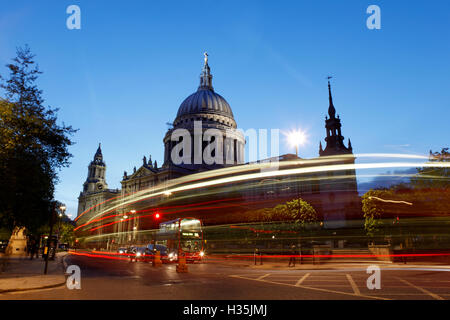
(113, 279)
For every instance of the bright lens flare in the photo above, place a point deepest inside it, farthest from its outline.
(296, 138)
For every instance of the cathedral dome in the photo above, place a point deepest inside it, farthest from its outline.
(205, 103)
(205, 122)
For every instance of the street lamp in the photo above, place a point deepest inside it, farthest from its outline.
(296, 138)
(62, 209)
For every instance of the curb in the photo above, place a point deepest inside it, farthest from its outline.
(34, 288)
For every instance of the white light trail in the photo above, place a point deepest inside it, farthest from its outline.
(149, 193)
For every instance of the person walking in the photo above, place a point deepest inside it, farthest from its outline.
(32, 248)
(36, 249)
(292, 256)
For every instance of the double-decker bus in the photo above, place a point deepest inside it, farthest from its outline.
(182, 236)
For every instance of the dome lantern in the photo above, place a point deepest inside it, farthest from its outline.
(205, 102)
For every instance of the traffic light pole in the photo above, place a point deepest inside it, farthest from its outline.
(47, 246)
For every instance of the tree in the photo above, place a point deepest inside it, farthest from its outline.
(296, 211)
(33, 147)
(434, 177)
(374, 210)
(67, 233)
(383, 206)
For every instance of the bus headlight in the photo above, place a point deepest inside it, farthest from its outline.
(202, 253)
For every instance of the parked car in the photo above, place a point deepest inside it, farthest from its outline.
(63, 246)
(166, 256)
(122, 250)
(140, 254)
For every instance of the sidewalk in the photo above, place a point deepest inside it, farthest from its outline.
(21, 273)
(323, 265)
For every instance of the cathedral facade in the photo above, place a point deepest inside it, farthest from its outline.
(203, 130)
(204, 125)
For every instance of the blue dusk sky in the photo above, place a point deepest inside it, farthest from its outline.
(124, 74)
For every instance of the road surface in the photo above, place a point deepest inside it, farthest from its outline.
(112, 279)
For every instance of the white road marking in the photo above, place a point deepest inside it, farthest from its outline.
(353, 284)
(312, 288)
(435, 296)
(263, 276)
(299, 282)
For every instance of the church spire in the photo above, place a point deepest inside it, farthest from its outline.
(98, 157)
(331, 109)
(96, 173)
(206, 77)
(334, 139)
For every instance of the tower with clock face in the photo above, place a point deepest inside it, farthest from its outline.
(95, 189)
(96, 174)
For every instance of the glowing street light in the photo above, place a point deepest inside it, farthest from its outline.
(296, 138)
(63, 209)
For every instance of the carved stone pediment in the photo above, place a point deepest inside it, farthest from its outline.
(141, 172)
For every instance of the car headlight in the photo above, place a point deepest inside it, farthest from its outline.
(138, 254)
(202, 253)
(171, 255)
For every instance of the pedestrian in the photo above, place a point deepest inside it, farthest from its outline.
(292, 256)
(32, 248)
(36, 248)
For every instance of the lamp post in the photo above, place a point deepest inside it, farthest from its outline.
(61, 215)
(48, 243)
